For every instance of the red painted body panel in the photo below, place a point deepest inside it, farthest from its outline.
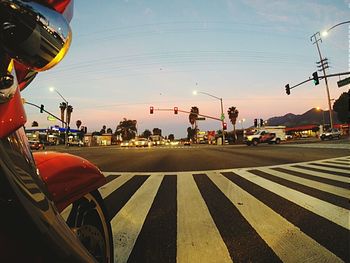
(67, 177)
(12, 115)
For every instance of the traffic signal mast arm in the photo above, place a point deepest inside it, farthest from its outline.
(188, 112)
(42, 109)
(321, 77)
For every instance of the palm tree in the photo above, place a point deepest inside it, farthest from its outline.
(35, 124)
(193, 119)
(78, 123)
(103, 130)
(233, 115)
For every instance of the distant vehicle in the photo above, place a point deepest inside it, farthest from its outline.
(125, 144)
(36, 145)
(289, 137)
(75, 143)
(270, 134)
(187, 143)
(330, 134)
(142, 142)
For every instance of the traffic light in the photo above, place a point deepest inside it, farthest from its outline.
(151, 110)
(287, 89)
(261, 122)
(41, 108)
(255, 122)
(315, 78)
(224, 126)
(176, 110)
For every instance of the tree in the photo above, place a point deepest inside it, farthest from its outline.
(146, 134)
(127, 129)
(193, 120)
(171, 137)
(103, 130)
(233, 114)
(157, 131)
(341, 107)
(35, 124)
(78, 123)
(109, 130)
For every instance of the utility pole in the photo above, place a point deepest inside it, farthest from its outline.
(315, 38)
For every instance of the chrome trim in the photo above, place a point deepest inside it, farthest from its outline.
(33, 34)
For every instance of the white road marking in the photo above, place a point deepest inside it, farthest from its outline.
(198, 239)
(337, 215)
(107, 189)
(288, 242)
(327, 168)
(129, 220)
(310, 183)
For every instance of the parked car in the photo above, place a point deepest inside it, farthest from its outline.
(330, 134)
(36, 145)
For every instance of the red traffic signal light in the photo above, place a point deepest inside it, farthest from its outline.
(176, 110)
(151, 109)
(224, 126)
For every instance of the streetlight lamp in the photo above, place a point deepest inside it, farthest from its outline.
(222, 117)
(67, 108)
(317, 38)
(241, 122)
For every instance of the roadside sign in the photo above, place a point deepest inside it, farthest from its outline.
(200, 119)
(343, 82)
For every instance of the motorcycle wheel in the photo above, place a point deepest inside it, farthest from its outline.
(89, 220)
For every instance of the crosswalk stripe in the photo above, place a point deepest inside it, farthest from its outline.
(310, 183)
(286, 240)
(198, 239)
(320, 166)
(337, 164)
(319, 174)
(115, 184)
(343, 163)
(331, 212)
(129, 220)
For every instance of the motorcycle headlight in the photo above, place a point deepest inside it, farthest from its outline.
(33, 34)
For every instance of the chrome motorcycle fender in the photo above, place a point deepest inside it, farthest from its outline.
(67, 177)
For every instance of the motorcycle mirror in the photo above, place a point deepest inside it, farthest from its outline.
(33, 34)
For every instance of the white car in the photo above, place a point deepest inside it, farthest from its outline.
(330, 134)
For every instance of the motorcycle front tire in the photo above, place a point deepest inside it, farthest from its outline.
(89, 219)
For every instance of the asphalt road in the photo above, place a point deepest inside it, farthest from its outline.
(206, 157)
(294, 211)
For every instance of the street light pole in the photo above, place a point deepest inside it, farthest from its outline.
(316, 38)
(222, 112)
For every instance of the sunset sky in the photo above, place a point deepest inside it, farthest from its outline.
(128, 55)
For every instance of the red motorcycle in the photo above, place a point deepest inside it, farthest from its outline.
(36, 188)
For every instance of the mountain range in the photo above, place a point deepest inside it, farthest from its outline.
(312, 116)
